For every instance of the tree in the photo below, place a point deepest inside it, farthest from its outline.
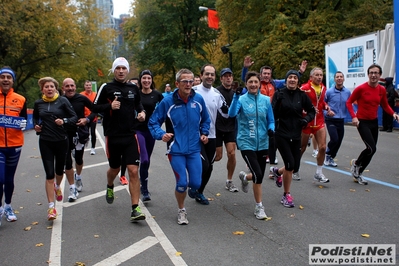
(59, 38)
(283, 33)
(165, 36)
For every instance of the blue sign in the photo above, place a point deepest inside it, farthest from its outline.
(10, 121)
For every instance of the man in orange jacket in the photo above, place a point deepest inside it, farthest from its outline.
(12, 121)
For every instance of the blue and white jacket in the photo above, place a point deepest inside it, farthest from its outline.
(254, 118)
(186, 120)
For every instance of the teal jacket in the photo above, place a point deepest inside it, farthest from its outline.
(254, 118)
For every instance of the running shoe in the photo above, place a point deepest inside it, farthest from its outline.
(277, 178)
(58, 193)
(10, 215)
(267, 159)
(276, 161)
(231, 187)
(51, 214)
(244, 182)
(360, 180)
(329, 161)
(295, 176)
(200, 198)
(192, 193)
(288, 201)
(73, 194)
(182, 217)
(321, 178)
(260, 213)
(314, 153)
(309, 141)
(354, 168)
(146, 196)
(123, 180)
(109, 195)
(137, 215)
(78, 184)
(92, 151)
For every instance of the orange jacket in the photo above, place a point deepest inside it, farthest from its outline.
(267, 89)
(12, 104)
(91, 96)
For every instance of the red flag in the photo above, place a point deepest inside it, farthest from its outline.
(213, 20)
(100, 73)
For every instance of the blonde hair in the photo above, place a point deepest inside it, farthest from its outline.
(42, 81)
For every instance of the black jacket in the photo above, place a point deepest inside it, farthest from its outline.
(119, 122)
(290, 107)
(45, 114)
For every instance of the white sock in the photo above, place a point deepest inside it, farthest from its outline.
(51, 205)
(259, 204)
(182, 209)
(72, 187)
(77, 177)
(319, 169)
(229, 180)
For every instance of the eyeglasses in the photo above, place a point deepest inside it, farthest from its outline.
(186, 81)
(374, 73)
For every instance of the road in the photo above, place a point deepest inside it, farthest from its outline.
(93, 232)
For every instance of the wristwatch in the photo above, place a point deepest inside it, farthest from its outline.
(65, 120)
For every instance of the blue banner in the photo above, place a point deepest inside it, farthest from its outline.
(10, 121)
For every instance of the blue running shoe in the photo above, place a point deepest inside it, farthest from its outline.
(201, 199)
(192, 193)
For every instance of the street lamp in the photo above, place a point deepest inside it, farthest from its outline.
(226, 49)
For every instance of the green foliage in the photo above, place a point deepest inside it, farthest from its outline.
(165, 36)
(58, 38)
(282, 33)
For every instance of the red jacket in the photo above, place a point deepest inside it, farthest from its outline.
(12, 104)
(318, 102)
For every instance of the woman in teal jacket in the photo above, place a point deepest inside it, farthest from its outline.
(255, 122)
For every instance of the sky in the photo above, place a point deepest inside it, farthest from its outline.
(121, 7)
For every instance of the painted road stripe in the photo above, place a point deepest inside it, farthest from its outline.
(365, 177)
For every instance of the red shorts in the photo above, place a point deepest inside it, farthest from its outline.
(312, 129)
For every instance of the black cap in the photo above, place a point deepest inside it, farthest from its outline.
(225, 70)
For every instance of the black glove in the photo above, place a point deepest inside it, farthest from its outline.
(270, 133)
(238, 90)
(304, 122)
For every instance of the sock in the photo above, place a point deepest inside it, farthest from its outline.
(184, 209)
(229, 180)
(72, 187)
(7, 206)
(319, 169)
(51, 204)
(259, 204)
(285, 193)
(134, 206)
(56, 186)
(112, 187)
(77, 177)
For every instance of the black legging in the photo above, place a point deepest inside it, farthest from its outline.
(93, 137)
(208, 153)
(50, 151)
(290, 151)
(256, 162)
(78, 154)
(368, 130)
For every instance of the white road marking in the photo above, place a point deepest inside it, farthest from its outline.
(129, 252)
(125, 254)
(56, 232)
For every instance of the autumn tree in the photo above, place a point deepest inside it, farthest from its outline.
(59, 38)
(165, 36)
(283, 33)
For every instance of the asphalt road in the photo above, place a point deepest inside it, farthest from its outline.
(93, 232)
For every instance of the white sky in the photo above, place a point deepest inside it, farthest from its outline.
(122, 7)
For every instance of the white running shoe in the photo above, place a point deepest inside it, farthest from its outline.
(260, 212)
(92, 151)
(182, 217)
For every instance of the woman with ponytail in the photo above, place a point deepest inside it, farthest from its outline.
(50, 113)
